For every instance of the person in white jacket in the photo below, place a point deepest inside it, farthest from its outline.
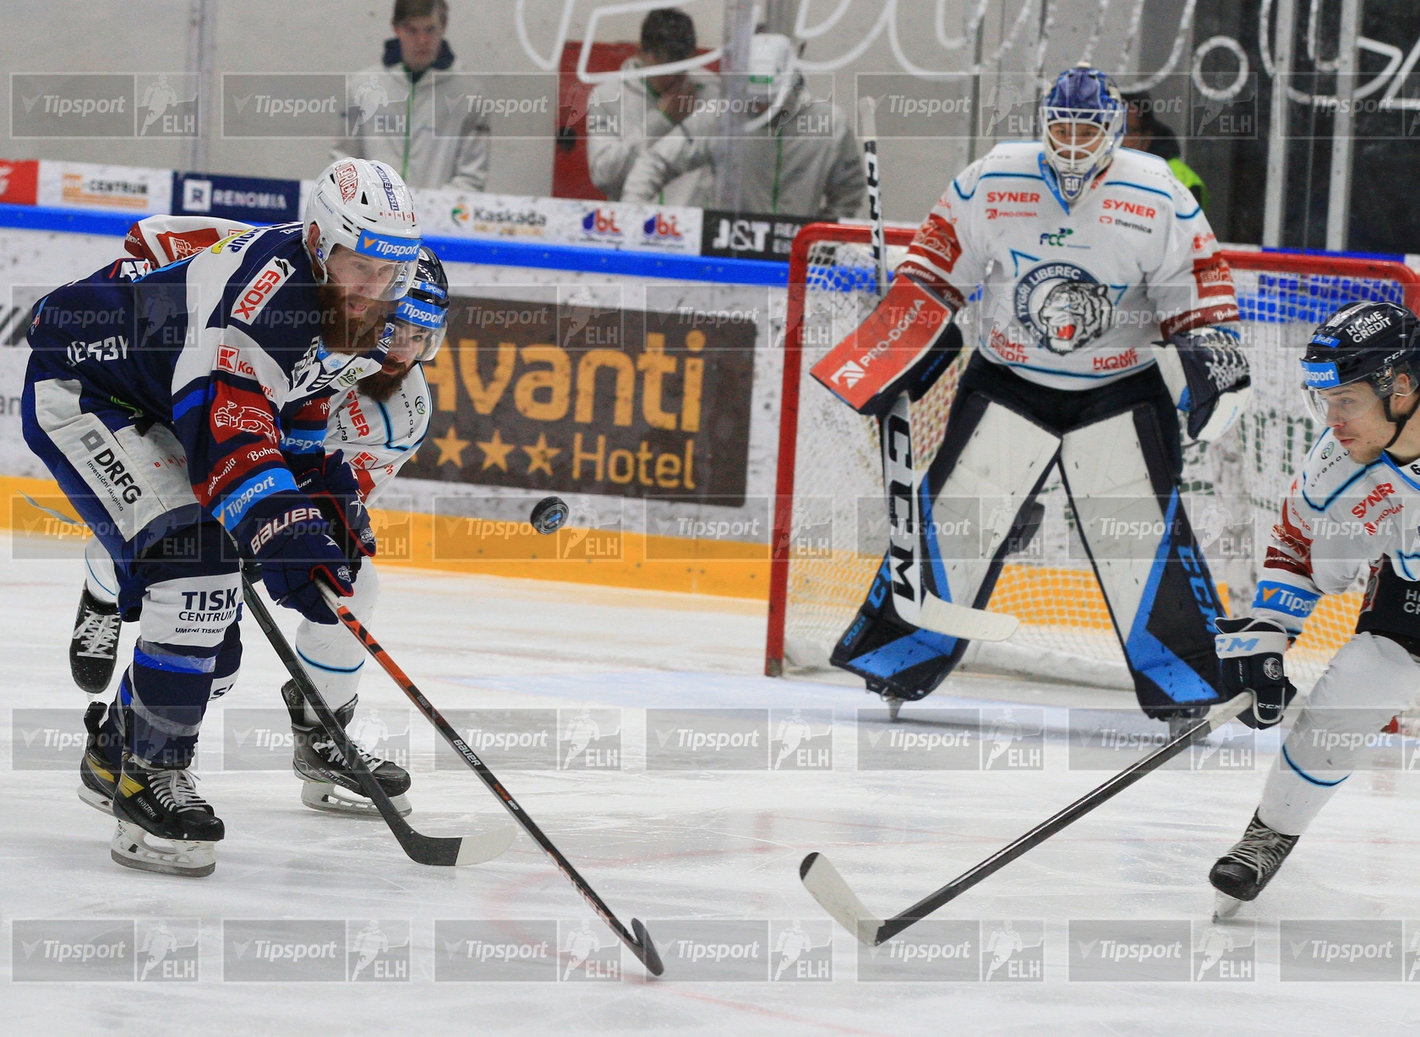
(801, 156)
(393, 115)
(626, 116)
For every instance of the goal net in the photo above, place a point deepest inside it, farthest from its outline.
(829, 485)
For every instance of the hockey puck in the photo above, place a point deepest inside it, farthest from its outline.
(549, 515)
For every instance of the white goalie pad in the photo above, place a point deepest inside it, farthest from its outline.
(1005, 457)
(1118, 515)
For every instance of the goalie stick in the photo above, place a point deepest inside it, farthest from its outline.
(834, 895)
(902, 479)
(421, 848)
(637, 939)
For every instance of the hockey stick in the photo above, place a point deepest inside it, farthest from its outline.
(422, 849)
(902, 480)
(828, 887)
(637, 939)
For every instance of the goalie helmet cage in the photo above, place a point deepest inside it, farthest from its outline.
(830, 516)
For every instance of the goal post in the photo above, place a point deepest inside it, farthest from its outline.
(829, 481)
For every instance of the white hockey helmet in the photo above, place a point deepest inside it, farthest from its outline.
(364, 206)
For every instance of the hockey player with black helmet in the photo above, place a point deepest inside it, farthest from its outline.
(180, 410)
(1344, 517)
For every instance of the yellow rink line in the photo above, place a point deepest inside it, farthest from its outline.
(1037, 595)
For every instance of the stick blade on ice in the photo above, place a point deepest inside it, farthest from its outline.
(485, 846)
(960, 621)
(826, 885)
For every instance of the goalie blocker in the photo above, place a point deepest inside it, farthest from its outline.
(1119, 457)
(904, 346)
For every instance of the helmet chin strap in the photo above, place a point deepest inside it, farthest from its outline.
(1398, 422)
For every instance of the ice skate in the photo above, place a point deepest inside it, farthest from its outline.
(327, 782)
(1245, 870)
(93, 647)
(100, 767)
(163, 824)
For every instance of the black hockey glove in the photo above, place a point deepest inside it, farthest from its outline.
(333, 488)
(1207, 374)
(1250, 660)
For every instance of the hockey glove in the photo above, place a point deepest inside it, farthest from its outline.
(1207, 374)
(333, 488)
(1250, 660)
(295, 549)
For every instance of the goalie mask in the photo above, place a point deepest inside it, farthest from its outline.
(1365, 346)
(1082, 122)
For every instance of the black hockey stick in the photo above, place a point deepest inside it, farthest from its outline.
(637, 939)
(827, 886)
(423, 849)
(902, 482)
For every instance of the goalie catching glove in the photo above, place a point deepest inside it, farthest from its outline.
(1250, 660)
(1206, 371)
(904, 346)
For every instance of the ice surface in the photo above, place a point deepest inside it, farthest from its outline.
(705, 857)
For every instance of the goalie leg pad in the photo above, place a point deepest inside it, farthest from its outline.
(1367, 682)
(991, 464)
(1118, 474)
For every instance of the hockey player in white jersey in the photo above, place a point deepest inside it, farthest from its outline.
(1106, 320)
(372, 430)
(1343, 517)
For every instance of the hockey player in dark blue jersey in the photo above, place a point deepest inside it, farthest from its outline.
(179, 409)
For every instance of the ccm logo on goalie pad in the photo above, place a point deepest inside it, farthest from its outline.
(897, 334)
(266, 533)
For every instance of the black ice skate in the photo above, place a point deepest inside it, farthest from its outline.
(163, 824)
(1245, 870)
(99, 769)
(327, 783)
(93, 647)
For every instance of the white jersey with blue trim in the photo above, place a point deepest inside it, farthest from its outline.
(1073, 296)
(1338, 519)
(378, 436)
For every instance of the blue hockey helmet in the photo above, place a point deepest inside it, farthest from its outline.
(417, 325)
(1082, 121)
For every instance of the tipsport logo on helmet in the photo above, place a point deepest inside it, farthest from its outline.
(1320, 375)
(381, 246)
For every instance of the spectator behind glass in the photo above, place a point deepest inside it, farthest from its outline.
(801, 156)
(392, 118)
(1145, 131)
(625, 117)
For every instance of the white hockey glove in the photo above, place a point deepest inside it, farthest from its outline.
(1206, 372)
(1250, 660)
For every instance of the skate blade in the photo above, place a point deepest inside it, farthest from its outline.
(135, 848)
(1225, 907)
(97, 800)
(330, 798)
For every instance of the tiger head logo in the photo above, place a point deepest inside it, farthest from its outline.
(1074, 314)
